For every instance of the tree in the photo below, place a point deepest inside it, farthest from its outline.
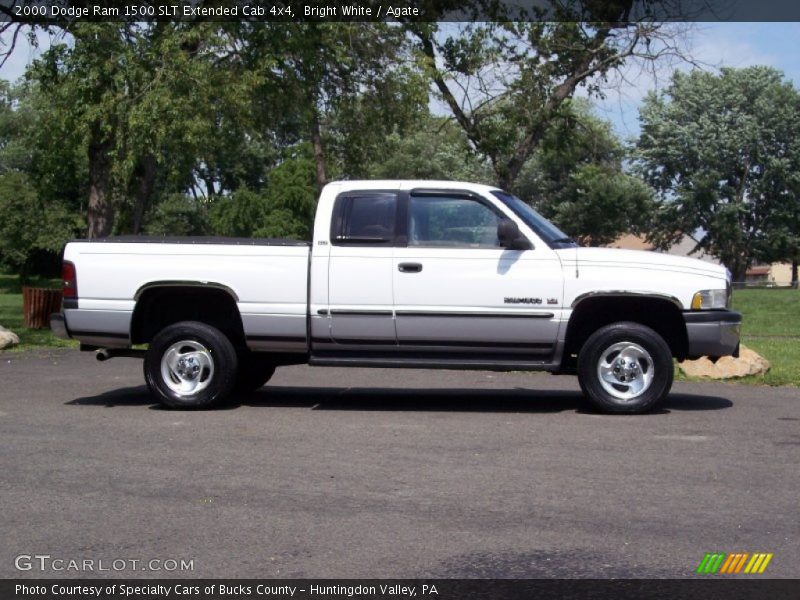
(506, 82)
(722, 151)
(39, 184)
(87, 88)
(576, 179)
(149, 103)
(347, 77)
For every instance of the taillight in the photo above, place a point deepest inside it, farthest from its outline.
(70, 280)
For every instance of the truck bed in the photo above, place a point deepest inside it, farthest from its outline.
(266, 278)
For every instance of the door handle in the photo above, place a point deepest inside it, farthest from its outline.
(409, 267)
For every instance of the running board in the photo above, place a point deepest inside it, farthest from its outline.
(456, 363)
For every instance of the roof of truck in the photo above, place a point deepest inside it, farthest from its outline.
(410, 184)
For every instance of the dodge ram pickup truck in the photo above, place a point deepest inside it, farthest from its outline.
(425, 274)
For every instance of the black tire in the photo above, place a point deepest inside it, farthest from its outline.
(610, 396)
(254, 371)
(210, 364)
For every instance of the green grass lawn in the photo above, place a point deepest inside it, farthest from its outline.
(11, 315)
(771, 327)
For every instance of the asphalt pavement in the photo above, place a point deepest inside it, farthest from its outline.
(332, 473)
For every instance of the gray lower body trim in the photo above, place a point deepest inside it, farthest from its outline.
(364, 327)
(275, 333)
(713, 338)
(107, 328)
(432, 333)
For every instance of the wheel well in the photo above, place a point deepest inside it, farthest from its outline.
(159, 307)
(661, 315)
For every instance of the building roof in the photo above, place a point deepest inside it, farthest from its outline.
(630, 241)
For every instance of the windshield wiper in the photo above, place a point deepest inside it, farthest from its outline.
(564, 240)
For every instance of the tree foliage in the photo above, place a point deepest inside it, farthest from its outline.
(507, 82)
(576, 179)
(722, 150)
(32, 232)
(434, 148)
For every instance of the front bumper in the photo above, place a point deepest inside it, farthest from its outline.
(713, 333)
(59, 326)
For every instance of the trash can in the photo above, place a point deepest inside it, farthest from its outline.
(38, 304)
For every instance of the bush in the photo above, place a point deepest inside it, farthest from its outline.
(32, 232)
(238, 215)
(284, 209)
(178, 214)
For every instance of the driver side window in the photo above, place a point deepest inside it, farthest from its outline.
(451, 222)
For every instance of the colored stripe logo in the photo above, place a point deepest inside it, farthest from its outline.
(732, 564)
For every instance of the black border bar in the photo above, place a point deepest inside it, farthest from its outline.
(706, 588)
(66, 12)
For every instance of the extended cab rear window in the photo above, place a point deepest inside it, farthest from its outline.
(364, 218)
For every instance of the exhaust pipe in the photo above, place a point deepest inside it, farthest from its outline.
(104, 354)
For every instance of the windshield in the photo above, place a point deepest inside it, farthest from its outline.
(552, 235)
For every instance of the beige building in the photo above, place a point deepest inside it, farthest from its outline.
(777, 274)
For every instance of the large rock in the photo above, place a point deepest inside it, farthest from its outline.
(7, 338)
(748, 363)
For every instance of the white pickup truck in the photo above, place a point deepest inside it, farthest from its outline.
(425, 274)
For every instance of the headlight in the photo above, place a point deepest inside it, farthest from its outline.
(707, 299)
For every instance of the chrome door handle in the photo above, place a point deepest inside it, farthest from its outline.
(409, 267)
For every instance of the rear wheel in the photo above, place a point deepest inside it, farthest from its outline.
(254, 371)
(625, 368)
(190, 365)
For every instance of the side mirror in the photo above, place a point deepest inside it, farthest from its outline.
(511, 237)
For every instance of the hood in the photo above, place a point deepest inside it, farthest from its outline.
(645, 259)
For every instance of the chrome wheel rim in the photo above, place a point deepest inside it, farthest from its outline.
(187, 368)
(625, 370)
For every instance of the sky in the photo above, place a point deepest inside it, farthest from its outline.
(712, 44)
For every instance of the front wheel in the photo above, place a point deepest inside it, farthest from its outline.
(625, 368)
(190, 365)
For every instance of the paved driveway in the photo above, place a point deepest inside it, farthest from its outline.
(380, 473)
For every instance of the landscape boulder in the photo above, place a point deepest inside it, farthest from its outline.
(748, 363)
(7, 338)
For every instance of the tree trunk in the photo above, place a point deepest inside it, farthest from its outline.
(146, 176)
(101, 209)
(319, 154)
(505, 180)
(739, 272)
(794, 273)
(211, 189)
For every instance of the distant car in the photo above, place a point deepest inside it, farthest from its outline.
(429, 274)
